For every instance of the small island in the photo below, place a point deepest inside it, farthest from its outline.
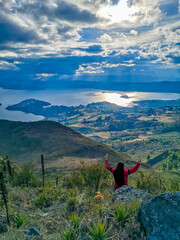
(124, 96)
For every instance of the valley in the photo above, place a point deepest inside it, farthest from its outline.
(146, 128)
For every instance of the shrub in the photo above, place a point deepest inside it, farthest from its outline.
(98, 231)
(175, 186)
(25, 176)
(74, 180)
(71, 203)
(94, 176)
(151, 183)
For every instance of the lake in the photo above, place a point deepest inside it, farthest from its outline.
(72, 98)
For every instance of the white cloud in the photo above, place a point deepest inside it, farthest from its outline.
(97, 67)
(105, 38)
(148, 11)
(44, 76)
(134, 32)
(145, 30)
(4, 65)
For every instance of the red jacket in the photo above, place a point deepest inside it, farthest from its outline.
(132, 170)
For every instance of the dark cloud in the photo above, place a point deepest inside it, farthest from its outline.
(73, 14)
(64, 29)
(92, 49)
(11, 32)
(63, 11)
(115, 2)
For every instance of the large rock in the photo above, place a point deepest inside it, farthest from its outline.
(127, 194)
(161, 217)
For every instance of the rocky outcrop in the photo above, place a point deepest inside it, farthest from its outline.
(127, 194)
(161, 217)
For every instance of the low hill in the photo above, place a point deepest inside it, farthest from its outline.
(62, 146)
(168, 160)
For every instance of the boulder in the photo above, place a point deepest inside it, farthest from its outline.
(33, 233)
(127, 194)
(161, 217)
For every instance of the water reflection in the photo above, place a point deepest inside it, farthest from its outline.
(72, 97)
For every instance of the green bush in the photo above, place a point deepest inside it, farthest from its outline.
(74, 180)
(25, 176)
(94, 176)
(152, 183)
(172, 161)
(175, 186)
(71, 203)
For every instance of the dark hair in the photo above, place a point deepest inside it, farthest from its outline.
(119, 174)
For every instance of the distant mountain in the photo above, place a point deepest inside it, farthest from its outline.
(113, 85)
(168, 160)
(26, 141)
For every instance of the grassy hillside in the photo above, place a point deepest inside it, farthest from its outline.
(168, 160)
(68, 210)
(62, 146)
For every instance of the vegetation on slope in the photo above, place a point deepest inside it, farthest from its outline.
(168, 160)
(67, 209)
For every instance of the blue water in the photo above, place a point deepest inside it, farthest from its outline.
(72, 98)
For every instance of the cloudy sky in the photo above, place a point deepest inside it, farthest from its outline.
(45, 43)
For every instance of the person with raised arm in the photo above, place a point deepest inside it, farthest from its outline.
(120, 174)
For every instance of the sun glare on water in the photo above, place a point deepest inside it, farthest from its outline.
(117, 99)
(120, 12)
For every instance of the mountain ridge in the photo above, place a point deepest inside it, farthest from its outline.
(25, 141)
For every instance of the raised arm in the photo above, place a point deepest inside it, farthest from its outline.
(135, 168)
(107, 164)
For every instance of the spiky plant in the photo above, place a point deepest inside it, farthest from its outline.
(98, 231)
(120, 213)
(20, 220)
(3, 192)
(43, 171)
(75, 221)
(67, 234)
